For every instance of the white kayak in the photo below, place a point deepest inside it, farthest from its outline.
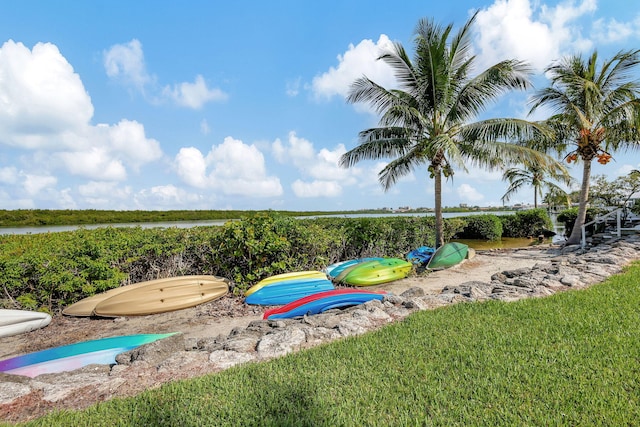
(14, 322)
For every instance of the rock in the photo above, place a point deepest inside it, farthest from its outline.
(412, 292)
(10, 391)
(280, 343)
(245, 342)
(223, 359)
(154, 352)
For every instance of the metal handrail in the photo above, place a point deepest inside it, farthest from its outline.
(599, 219)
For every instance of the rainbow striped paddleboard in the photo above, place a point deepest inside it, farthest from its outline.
(74, 356)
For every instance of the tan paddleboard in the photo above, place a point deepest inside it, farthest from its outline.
(85, 306)
(154, 296)
(162, 295)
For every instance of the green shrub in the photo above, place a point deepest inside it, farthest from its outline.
(49, 271)
(568, 218)
(484, 227)
(528, 223)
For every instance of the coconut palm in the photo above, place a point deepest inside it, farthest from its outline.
(596, 112)
(537, 177)
(428, 120)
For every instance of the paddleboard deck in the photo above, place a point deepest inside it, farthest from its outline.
(163, 295)
(15, 322)
(74, 356)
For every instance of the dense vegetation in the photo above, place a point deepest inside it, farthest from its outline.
(569, 359)
(49, 271)
(38, 217)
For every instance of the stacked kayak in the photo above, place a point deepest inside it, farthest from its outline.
(323, 301)
(448, 255)
(377, 272)
(285, 288)
(420, 255)
(340, 269)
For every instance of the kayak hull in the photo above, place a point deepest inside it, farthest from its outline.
(286, 291)
(378, 272)
(323, 301)
(448, 255)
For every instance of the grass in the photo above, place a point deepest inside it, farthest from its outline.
(569, 359)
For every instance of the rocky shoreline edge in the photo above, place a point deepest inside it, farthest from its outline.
(180, 357)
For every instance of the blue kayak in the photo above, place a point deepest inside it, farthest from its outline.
(283, 292)
(323, 301)
(420, 255)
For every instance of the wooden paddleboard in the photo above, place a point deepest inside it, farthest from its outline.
(162, 295)
(14, 322)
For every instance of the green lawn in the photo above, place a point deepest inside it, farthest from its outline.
(570, 359)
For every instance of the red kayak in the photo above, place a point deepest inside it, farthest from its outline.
(323, 301)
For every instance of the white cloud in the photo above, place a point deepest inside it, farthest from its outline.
(469, 194)
(322, 165)
(41, 98)
(613, 31)
(193, 95)
(94, 163)
(128, 139)
(316, 188)
(107, 189)
(45, 108)
(125, 62)
(192, 167)
(163, 196)
(8, 175)
(357, 61)
(530, 31)
(232, 167)
(34, 184)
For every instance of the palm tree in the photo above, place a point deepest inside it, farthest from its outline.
(597, 111)
(428, 120)
(537, 177)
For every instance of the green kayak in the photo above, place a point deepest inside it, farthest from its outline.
(377, 272)
(448, 255)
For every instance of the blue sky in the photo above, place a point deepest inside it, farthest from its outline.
(241, 105)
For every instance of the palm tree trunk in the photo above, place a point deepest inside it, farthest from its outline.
(438, 207)
(535, 197)
(576, 232)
